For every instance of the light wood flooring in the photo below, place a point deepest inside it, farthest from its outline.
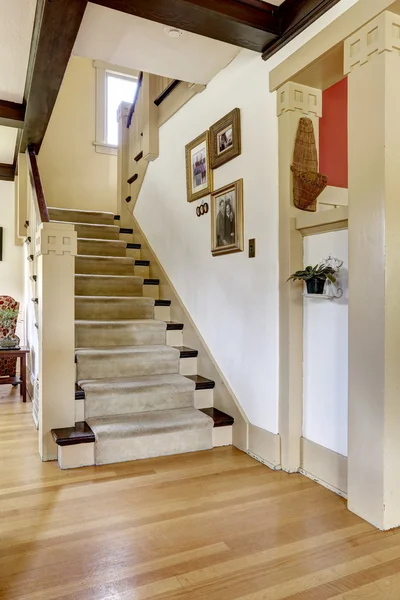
(213, 525)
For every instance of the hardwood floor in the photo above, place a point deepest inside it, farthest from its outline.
(214, 525)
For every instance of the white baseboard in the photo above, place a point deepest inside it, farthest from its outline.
(324, 466)
(264, 446)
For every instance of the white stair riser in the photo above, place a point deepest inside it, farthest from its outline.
(174, 337)
(126, 335)
(164, 444)
(75, 456)
(98, 248)
(202, 399)
(142, 271)
(91, 266)
(151, 291)
(188, 366)
(108, 311)
(222, 436)
(126, 237)
(162, 313)
(133, 253)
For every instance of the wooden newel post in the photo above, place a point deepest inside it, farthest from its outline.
(123, 155)
(56, 248)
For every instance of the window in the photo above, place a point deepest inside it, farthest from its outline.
(113, 86)
(118, 89)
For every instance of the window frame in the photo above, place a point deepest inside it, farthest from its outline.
(103, 70)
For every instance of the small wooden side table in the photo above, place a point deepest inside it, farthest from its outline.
(21, 354)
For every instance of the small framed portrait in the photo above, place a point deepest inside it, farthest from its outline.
(225, 142)
(227, 219)
(199, 176)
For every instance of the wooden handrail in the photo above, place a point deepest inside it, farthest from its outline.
(132, 109)
(37, 186)
(165, 93)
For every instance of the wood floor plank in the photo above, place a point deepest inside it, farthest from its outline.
(212, 525)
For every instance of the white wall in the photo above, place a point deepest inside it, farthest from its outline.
(233, 300)
(74, 175)
(325, 347)
(13, 264)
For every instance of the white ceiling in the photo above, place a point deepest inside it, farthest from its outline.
(16, 25)
(136, 43)
(8, 137)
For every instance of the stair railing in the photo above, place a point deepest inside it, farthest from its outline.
(157, 100)
(50, 310)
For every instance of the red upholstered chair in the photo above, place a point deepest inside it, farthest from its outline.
(8, 366)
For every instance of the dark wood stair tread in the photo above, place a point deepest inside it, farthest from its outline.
(187, 352)
(79, 392)
(172, 326)
(202, 383)
(220, 418)
(117, 217)
(162, 303)
(142, 263)
(125, 230)
(69, 436)
(133, 246)
(151, 282)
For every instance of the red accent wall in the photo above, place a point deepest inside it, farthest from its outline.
(333, 151)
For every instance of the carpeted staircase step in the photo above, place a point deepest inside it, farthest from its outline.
(149, 434)
(97, 232)
(110, 308)
(71, 215)
(93, 247)
(126, 361)
(133, 332)
(108, 285)
(104, 265)
(128, 395)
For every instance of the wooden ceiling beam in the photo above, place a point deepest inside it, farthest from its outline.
(55, 29)
(7, 172)
(249, 24)
(12, 114)
(295, 16)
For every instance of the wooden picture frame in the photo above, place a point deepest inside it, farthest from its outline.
(227, 222)
(199, 176)
(225, 139)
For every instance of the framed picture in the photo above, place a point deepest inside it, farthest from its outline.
(227, 219)
(199, 176)
(225, 142)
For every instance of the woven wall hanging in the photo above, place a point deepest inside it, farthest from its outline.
(307, 182)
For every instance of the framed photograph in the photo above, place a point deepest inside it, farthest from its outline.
(225, 139)
(199, 176)
(227, 219)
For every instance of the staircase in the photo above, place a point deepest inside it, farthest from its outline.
(138, 394)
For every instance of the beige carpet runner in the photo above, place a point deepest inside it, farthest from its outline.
(136, 402)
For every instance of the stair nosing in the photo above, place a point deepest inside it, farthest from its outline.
(72, 436)
(220, 418)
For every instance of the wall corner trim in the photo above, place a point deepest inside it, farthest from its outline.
(265, 447)
(326, 467)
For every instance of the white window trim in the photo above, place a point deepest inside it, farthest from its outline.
(102, 68)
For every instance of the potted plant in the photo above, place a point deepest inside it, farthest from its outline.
(8, 317)
(315, 277)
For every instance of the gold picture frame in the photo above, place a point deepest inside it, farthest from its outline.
(227, 222)
(225, 139)
(199, 176)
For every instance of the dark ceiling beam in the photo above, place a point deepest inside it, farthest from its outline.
(7, 172)
(295, 16)
(55, 29)
(249, 24)
(12, 114)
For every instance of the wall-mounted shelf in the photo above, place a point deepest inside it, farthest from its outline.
(320, 296)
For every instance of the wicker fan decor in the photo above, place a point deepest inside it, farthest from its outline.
(307, 182)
